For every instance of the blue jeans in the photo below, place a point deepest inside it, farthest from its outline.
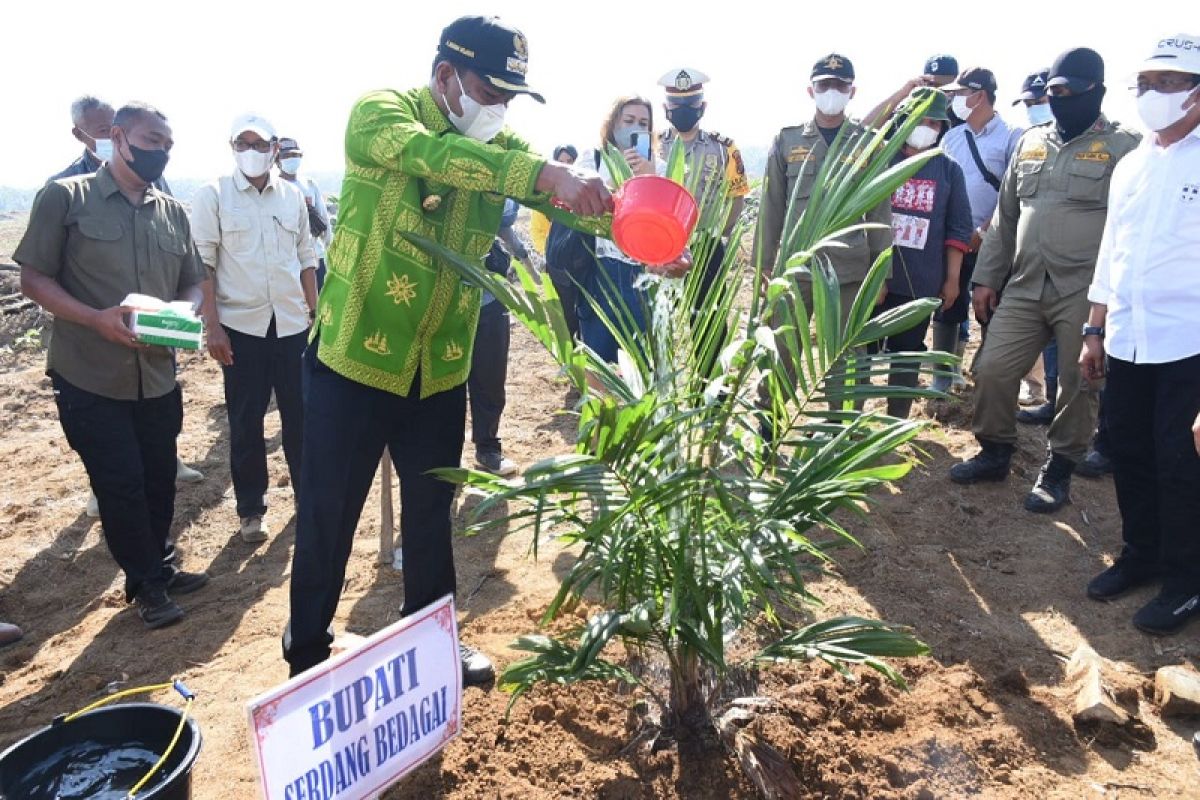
(1050, 362)
(619, 286)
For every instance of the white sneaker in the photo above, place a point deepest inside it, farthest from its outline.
(185, 474)
(495, 463)
(252, 530)
(93, 506)
(1031, 394)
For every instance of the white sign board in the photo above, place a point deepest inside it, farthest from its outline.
(353, 726)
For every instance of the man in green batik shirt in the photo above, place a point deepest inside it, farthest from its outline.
(391, 346)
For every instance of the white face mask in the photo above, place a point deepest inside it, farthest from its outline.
(1039, 115)
(252, 163)
(831, 102)
(104, 149)
(290, 165)
(1160, 111)
(922, 137)
(477, 120)
(961, 109)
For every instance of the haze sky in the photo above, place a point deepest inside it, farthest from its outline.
(302, 64)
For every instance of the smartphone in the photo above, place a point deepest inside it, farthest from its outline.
(641, 143)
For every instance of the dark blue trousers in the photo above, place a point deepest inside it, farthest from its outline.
(1156, 470)
(262, 364)
(128, 449)
(489, 372)
(346, 427)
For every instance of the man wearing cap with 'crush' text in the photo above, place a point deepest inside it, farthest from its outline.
(1145, 309)
(391, 349)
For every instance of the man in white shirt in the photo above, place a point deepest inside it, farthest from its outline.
(289, 159)
(252, 233)
(1145, 299)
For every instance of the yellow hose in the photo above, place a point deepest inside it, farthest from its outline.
(174, 739)
(128, 692)
(179, 687)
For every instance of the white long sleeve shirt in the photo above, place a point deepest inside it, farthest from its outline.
(257, 243)
(313, 192)
(1148, 269)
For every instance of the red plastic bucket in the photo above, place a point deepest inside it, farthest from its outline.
(653, 218)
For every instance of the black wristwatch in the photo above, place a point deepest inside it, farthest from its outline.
(1093, 330)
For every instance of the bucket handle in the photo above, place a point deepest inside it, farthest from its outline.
(179, 686)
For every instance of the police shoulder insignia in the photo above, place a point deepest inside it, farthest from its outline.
(724, 140)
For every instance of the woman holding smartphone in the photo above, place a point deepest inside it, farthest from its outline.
(630, 128)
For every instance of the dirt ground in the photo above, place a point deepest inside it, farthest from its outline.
(996, 592)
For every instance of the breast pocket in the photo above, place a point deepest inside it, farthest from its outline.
(287, 236)
(1087, 181)
(237, 234)
(802, 173)
(103, 245)
(1029, 176)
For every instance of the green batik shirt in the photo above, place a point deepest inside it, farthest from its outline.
(388, 310)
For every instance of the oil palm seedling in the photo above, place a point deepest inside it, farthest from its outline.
(724, 455)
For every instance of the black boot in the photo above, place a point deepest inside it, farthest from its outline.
(1038, 415)
(1096, 465)
(901, 407)
(991, 463)
(1053, 488)
(1043, 414)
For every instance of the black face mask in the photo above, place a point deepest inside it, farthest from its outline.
(684, 118)
(146, 164)
(1075, 114)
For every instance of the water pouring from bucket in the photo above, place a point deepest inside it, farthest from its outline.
(653, 217)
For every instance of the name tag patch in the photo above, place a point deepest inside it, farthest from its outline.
(910, 231)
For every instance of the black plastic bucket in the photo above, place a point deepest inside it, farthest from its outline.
(101, 755)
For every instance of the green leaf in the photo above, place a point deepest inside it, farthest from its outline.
(844, 641)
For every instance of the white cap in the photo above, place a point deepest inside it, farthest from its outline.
(1178, 53)
(682, 80)
(253, 123)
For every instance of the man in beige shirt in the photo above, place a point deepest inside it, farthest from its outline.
(251, 229)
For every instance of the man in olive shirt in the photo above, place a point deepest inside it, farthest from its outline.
(91, 241)
(1041, 250)
(795, 158)
(92, 120)
(393, 335)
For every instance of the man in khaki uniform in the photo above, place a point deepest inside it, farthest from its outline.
(795, 158)
(1041, 250)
